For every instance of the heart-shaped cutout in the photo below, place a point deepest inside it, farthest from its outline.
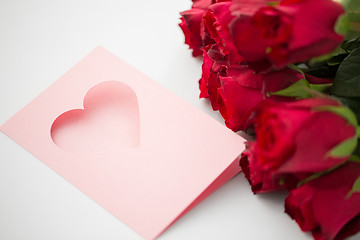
(108, 122)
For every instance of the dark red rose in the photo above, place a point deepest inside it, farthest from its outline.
(293, 141)
(290, 32)
(316, 80)
(192, 24)
(216, 22)
(324, 205)
(236, 102)
(205, 76)
(236, 89)
(243, 90)
(214, 65)
(259, 179)
(191, 21)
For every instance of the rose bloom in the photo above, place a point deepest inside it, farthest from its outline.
(324, 205)
(235, 89)
(216, 26)
(191, 21)
(232, 86)
(292, 143)
(192, 25)
(289, 32)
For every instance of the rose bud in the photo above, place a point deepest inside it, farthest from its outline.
(289, 32)
(243, 90)
(329, 206)
(293, 141)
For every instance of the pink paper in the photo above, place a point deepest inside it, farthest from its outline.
(134, 147)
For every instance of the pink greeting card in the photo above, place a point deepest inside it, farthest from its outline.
(134, 147)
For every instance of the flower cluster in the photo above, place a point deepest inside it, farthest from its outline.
(288, 73)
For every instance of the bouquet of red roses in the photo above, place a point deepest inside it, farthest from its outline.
(288, 73)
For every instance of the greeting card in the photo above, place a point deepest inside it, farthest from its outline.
(140, 151)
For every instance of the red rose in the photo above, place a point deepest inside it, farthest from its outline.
(324, 205)
(236, 102)
(191, 21)
(235, 89)
(289, 32)
(216, 23)
(293, 142)
(211, 70)
(243, 90)
(192, 24)
(203, 4)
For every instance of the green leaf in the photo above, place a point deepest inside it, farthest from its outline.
(316, 94)
(326, 57)
(354, 158)
(354, 20)
(297, 90)
(343, 149)
(347, 79)
(354, 17)
(353, 104)
(355, 188)
(342, 25)
(350, 5)
(322, 71)
(293, 66)
(345, 3)
(337, 60)
(352, 34)
(320, 87)
(342, 111)
(357, 150)
(348, 24)
(351, 44)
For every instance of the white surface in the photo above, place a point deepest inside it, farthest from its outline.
(41, 40)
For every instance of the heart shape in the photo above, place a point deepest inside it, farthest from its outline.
(109, 121)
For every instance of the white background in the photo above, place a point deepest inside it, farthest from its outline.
(41, 40)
